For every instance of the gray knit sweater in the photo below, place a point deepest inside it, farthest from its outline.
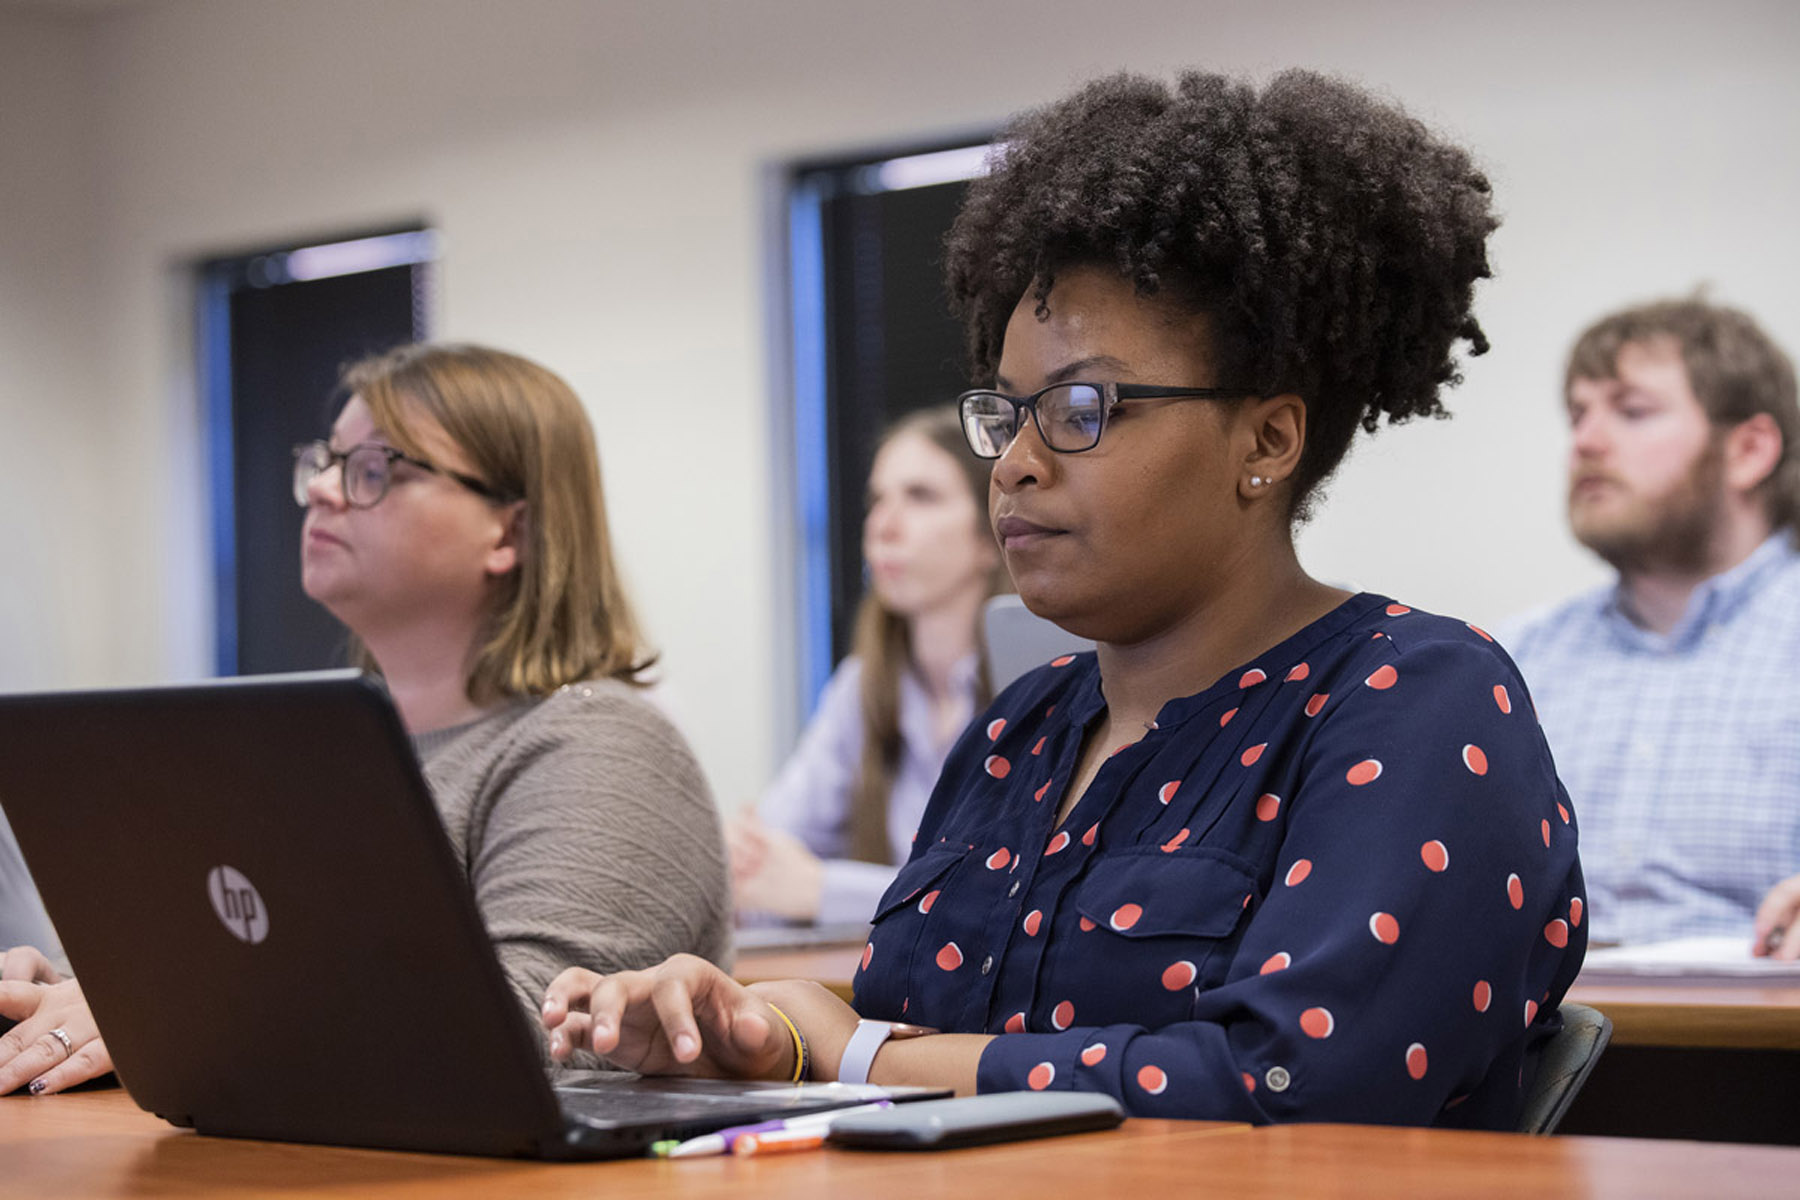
(587, 831)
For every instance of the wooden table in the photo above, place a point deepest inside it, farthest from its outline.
(1742, 1017)
(99, 1144)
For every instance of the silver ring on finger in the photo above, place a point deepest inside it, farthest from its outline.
(68, 1043)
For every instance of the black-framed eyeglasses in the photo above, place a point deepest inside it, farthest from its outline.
(368, 470)
(1070, 417)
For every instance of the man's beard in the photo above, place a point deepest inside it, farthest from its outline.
(1676, 533)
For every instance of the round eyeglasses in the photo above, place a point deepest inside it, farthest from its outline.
(368, 470)
(1070, 417)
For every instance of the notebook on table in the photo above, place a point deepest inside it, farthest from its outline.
(277, 940)
(1709, 959)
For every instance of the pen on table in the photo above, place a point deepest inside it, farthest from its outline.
(725, 1139)
(781, 1141)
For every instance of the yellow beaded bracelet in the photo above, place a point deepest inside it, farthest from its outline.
(802, 1059)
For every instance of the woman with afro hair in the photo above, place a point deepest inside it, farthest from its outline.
(1273, 851)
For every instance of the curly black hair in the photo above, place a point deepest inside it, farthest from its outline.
(1329, 242)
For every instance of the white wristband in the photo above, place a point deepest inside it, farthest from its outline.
(859, 1055)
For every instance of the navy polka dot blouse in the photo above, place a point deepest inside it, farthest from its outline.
(1340, 884)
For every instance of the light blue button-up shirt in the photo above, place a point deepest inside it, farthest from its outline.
(812, 795)
(1681, 751)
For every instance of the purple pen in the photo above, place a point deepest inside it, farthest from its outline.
(722, 1141)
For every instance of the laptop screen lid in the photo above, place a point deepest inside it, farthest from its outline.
(269, 922)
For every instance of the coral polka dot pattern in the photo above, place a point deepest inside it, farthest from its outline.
(1416, 1063)
(1298, 896)
(1179, 975)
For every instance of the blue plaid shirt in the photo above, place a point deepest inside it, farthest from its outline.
(1682, 752)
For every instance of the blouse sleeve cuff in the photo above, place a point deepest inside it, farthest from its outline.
(1037, 1062)
(1152, 1075)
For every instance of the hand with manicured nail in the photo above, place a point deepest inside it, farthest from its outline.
(40, 999)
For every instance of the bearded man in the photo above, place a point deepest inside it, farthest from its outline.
(1671, 698)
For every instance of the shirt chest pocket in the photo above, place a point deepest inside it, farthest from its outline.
(1156, 929)
(902, 917)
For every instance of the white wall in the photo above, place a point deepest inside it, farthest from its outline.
(595, 171)
(54, 578)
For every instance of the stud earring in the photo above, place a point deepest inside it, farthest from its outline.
(1257, 481)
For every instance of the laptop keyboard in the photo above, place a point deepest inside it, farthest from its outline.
(641, 1105)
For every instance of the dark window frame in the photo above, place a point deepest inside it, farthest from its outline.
(218, 278)
(812, 452)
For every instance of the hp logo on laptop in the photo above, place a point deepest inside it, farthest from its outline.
(237, 904)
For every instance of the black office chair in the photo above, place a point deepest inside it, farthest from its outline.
(1566, 1061)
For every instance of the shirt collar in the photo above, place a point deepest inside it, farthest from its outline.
(918, 725)
(963, 673)
(1715, 601)
(1085, 703)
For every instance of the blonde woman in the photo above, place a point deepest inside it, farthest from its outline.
(455, 523)
(827, 837)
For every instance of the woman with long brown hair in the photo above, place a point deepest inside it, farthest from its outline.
(825, 840)
(455, 524)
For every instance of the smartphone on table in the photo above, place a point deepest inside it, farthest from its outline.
(976, 1120)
